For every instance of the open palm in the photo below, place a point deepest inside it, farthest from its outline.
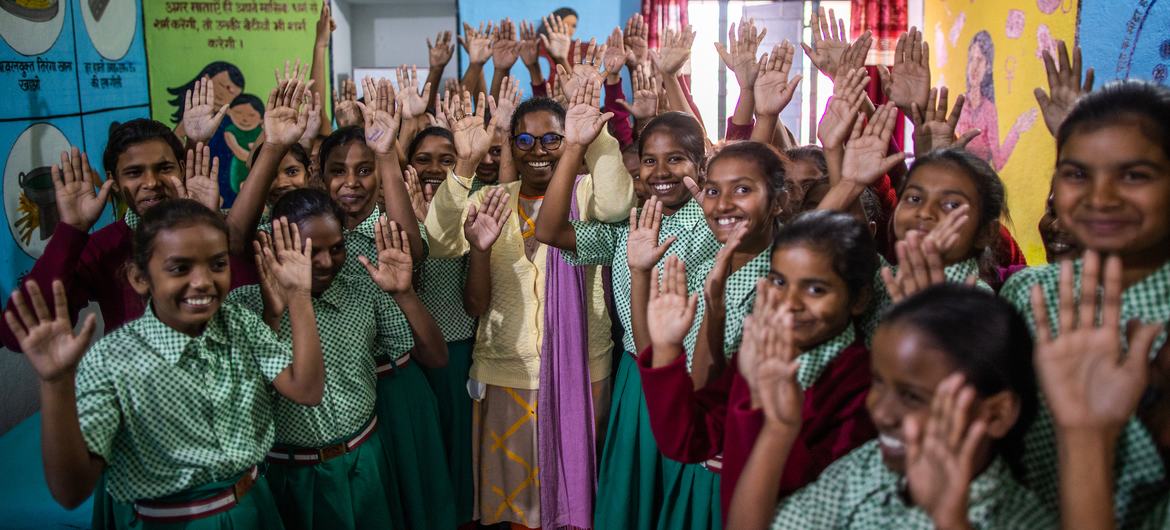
(74, 181)
(48, 341)
(483, 225)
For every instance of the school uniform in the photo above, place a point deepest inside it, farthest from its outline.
(183, 421)
(408, 413)
(691, 497)
(630, 473)
(509, 344)
(1140, 474)
(328, 468)
(859, 491)
(696, 425)
(958, 272)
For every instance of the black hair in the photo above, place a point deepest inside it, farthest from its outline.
(296, 150)
(429, 131)
(537, 105)
(812, 154)
(168, 215)
(987, 341)
(211, 70)
(763, 156)
(986, 88)
(300, 204)
(685, 130)
(846, 239)
(134, 132)
(992, 195)
(248, 99)
(560, 12)
(1142, 103)
(338, 138)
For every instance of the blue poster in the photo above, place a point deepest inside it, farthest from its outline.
(37, 60)
(1124, 39)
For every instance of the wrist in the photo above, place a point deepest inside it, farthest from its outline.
(613, 78)
(59, 384)
(403, 297)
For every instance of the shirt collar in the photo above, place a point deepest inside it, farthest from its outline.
(335, 295)
(690, 215)
(132, 219)
(741, 284)
(814, 361)
(366, 227)
(961, 271)
(171, 343)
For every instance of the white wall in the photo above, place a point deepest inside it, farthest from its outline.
(394, 33)
(342, 37)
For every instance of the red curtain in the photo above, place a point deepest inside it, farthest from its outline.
(662, 14)
(886, 19)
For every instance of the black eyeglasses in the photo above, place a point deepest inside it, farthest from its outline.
(550, 141)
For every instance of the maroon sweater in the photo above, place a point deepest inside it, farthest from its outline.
(697, 425)
(93, 268)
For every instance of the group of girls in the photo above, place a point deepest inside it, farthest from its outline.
(406, 323)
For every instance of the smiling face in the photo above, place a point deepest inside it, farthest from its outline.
(1058, 243)
(434, 157)
(536, 165)
(187, 277)
(800, 171)
(328, 253)
(349, 173)
(143, 174)
(291, 175)
(805, 282)
(933, 191)
(1111, 191)
(225, 89)
(664, 165)
(245, 116)
(736, 194)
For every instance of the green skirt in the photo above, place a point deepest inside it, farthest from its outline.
(692, 498)
(408, 419)
(450, 386)
(347, 492)
(257, 510)
(630, 475)
(104, 507)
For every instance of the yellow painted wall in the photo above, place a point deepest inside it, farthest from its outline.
(1018, 29)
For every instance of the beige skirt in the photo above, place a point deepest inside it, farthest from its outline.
(507, 487)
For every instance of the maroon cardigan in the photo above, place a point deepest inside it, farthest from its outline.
(697, 425)
(93, 268)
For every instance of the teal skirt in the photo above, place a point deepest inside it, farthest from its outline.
(104, 507)
(630, 475)
(347, 492)
(257, 510)
(408, 418)
(450, 386)
(691, 498)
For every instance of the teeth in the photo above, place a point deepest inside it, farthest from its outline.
(540, 165)
(202, 300)
(664, 187)
(890, 442)
(727, 221)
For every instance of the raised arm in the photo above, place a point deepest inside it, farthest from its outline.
(482, 228)
(438, 54)
(289, 262)
(773, 90)
(740, 58)
(865, 159)
(840, 113)
(325, 27)
(478, 45)
(383, 117)
(1064, 86)
(505, 52)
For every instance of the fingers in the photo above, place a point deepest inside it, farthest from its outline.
(27, 318)
(1040, 315)
(1067, 302)
(1090, 279)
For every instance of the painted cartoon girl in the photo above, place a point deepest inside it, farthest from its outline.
(980, 112)
(228, 82)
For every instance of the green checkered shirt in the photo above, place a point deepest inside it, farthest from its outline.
(955, 272)
(814, 361)
(132, 219)
(357, 322)
(738, 297)
(606, 244)
(1140, 475)
(859, 491)
(360, 242)
(169, 412)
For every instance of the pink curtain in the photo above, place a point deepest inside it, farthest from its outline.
(662, 14)
(886, 19)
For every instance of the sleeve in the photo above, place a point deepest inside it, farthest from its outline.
(607, 193)
(740, 432)
(97, 402)
(818, 505)
(444, 223)
(426, 243)
(620, 123)
(247, 297)
(596, 243)
(64, 259)
(394, 335)
(736, 131)
(250, 334)
(687, 424)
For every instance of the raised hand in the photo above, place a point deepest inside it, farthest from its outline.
(909, 81)
(645, 85)
(773, 89)
(275, 301)
(636, 42)
(643, 251)
(383, 115)
(477, 43)
(472, 140)
(829, 42)
(584, 119)
(483, 225)
(556, 41)
(754, 327)
(933, 129)
(74, 181)
(440, 51)
(780, 394)
(313, 124)
(715, 285)
(585, 69)
(529, 44)
(200, 117)
(502, 111)
(345, 109)
(920, 265)
(940, 454)
(674, 50)
(945, 235)
(740, 54)
(201, 177)
(671, 312)
(841, 112)
(289, 260)
(325, 25)
(614, 56)
(1088, 381)
(865, 153)
(48, 340)
(394, 270)
(505, 49)
(420, 201)
(283, 123)
(1064, 86)
(412, 102)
